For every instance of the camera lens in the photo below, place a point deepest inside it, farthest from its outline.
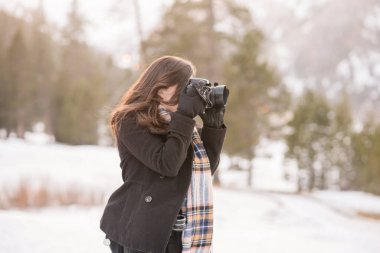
(219, 95)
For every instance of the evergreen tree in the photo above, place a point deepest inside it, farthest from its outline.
(59, 82)
(44, 69)
(255, 93)
(188, 29)
(341, 148)
(18, 102)
(309, 142)
(3, 83)
(16, 76)
(366, 160)
(80, 91)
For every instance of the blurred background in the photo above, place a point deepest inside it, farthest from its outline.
(300, 169)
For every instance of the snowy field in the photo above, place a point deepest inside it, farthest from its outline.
(244, 222)
(268, 218)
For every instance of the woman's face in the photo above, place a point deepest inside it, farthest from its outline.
(166, 94)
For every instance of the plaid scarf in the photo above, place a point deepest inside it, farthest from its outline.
(198, 204)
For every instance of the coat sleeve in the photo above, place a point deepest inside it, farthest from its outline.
(162, 156)
(213, 140)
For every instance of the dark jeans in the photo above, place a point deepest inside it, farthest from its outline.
(174, 245)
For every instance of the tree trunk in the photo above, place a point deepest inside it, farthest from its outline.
(20, 130)
(311, 183)
(211, 42)
(139, 31)
(48, 122)
(250, 173)
(299, 183)
(324, 179)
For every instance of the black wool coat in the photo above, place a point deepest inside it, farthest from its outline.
(156, 170)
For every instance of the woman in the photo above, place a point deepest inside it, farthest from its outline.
(167, 164)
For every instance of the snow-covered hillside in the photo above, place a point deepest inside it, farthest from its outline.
(267, 218)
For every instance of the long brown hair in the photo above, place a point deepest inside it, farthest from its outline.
(142, 97)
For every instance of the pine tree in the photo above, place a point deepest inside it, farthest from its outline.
(17, 85)
(366, 160)
(188, 29)
(59, 82)
(256, 92)
(309, 142)
(80, 91)
(341, 148)
(44, 69)
(3, 76)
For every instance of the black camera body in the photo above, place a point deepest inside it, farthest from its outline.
(214, 96)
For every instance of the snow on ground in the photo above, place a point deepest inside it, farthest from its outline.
(47, 230)
(246, 220)
(58, 165)
(268, 169)
(350, 202)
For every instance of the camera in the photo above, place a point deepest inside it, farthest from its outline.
(212, 95)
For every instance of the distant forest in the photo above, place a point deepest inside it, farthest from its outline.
(53, 76)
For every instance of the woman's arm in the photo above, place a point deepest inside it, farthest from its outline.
(213, 139)
(164, 157)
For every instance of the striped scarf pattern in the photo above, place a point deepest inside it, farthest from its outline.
(198, 203)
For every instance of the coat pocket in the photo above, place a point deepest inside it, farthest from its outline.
(122, 204)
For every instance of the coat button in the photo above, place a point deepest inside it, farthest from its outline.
(106, 242)
(148, 198)
(162, 177)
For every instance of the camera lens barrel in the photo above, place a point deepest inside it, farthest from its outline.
(219, 95)
(213, 96)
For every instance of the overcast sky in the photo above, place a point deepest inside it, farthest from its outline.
(109, 31)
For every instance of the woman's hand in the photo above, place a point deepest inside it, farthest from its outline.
(190, 103)
(214, 116)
